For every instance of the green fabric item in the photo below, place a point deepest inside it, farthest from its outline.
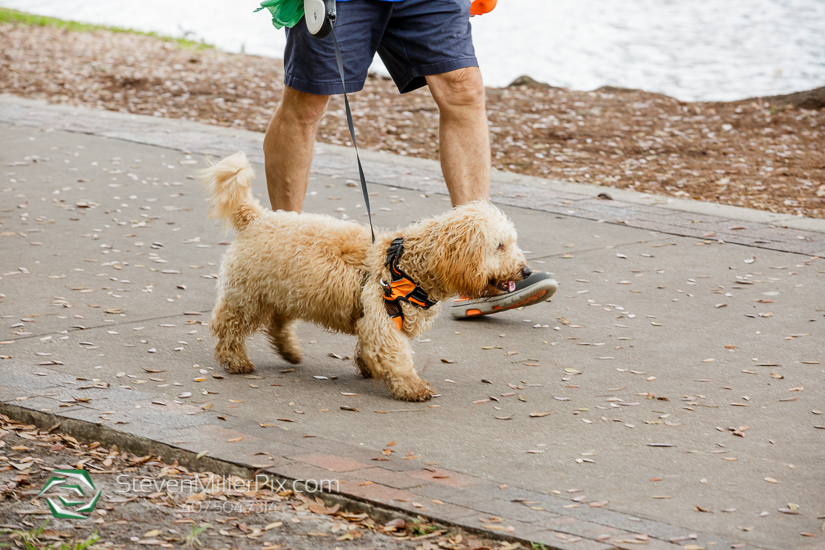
(285, 13)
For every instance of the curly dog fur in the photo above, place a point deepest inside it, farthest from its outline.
(284, 267)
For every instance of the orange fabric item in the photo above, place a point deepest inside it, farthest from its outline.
(398, 322)
(480, 7)
(400, 289)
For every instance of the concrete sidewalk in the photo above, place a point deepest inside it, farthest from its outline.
(681, 362)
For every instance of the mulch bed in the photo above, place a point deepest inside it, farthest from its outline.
(766, 153)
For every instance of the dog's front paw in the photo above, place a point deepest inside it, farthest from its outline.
(238, 366)
(412, 390)
(242, 368)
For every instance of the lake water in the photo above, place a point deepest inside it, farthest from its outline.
(689, 49)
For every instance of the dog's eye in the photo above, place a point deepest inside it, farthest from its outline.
(501, 246)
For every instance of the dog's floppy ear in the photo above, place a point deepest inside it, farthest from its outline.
(459, 258)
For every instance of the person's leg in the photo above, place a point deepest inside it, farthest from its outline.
(463, 134)
(465, 162)
(310, 77)
(288, 147)
(429, 43)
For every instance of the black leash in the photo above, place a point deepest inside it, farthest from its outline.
(352, 131)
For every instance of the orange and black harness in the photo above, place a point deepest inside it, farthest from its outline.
(401, 287)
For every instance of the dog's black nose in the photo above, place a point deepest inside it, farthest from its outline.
(526, 271)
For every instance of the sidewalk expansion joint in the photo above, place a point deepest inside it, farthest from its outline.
(597, 249)
(107, 325)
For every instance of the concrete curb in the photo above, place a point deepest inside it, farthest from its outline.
(709, 221)
(387, 488)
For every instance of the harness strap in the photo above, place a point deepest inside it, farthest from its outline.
(352, 132)
(401, 287)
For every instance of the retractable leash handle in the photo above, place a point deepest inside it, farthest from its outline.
(320, 17)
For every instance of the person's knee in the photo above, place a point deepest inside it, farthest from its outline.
(462, 88)
(302, 108)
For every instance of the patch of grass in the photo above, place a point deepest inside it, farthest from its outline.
(79, 545)
(417, 529)
(30, 540)
(22, 18)
(192, 538)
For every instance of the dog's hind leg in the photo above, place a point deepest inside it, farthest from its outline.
(231, 325)
(281, 332)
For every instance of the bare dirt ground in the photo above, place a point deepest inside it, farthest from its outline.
(146, 502)
(766, 153)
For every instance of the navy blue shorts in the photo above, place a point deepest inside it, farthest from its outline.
(415, 38)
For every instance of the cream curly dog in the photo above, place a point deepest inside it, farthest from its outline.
(284, 266)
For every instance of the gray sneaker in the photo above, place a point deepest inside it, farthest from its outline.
(536, 288)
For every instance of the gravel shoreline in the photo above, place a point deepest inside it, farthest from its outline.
(767, 154)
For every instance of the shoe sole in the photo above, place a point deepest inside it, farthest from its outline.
(541, 291)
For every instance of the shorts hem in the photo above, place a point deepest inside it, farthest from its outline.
(332, 87)
(413, 78)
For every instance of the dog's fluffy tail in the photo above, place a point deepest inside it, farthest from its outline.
(228, 185)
